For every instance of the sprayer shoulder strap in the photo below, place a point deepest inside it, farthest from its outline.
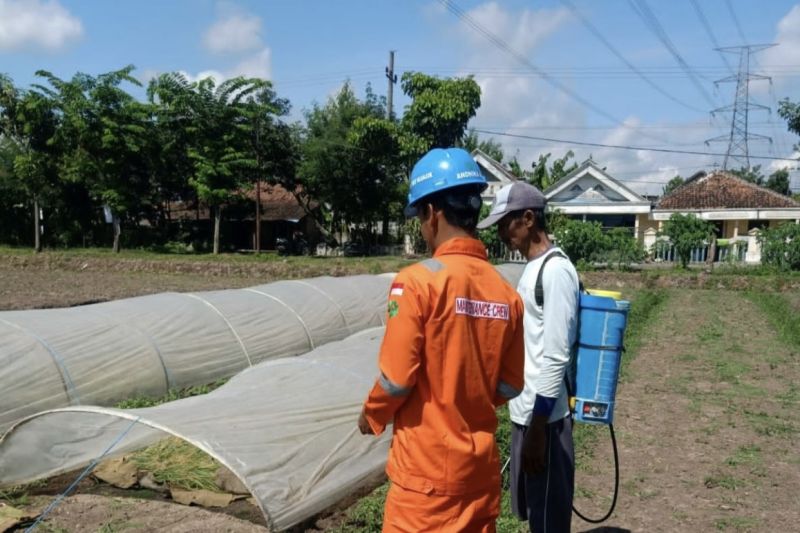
(539, 288)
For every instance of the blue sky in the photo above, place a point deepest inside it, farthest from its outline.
(309, 48)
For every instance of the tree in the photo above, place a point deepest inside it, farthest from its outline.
(541, 176)
(623, 248)
(673, 184)
(751, 174)
(779, 182)
(790, 111)
(101, 138)
(217, 130)
(439, 111)
(490, 147)
(27, 124)
(351, 159)
(687, 232)
(581, 241)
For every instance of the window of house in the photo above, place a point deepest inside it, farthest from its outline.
(576, 188)
(599, 188)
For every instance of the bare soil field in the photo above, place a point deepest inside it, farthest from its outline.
(706, 435)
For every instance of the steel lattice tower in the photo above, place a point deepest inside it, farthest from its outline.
(739, 135)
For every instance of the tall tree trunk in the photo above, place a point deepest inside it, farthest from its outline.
(258, 216)
(117, 232)
(37, 227)
(217, 217)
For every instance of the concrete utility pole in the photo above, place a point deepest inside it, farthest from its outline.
(392, 80)
(737, 139)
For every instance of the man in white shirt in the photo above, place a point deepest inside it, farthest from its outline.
(542, 456)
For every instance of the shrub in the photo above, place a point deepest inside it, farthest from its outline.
(581, 240)
(780, 246)
(623, 248)
(686, 232)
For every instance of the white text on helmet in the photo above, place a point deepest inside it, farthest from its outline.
(420, 179)
(468, 174)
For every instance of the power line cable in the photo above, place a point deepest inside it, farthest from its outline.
(502, 45)
(644, 12)
(600, 37)
(622, 146)
(704, 21)
(736, 21)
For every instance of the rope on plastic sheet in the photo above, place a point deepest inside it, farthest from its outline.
(223, 317)
(55, 503)
(153, 344)
(299, 318)
(328, 296)
(66, 379)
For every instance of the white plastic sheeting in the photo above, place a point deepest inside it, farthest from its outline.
(287, 428)
(102, 353)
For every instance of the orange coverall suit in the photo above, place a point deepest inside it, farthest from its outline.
(452, 353)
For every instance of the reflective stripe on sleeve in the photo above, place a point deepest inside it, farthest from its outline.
(392, 389)
(507, 391)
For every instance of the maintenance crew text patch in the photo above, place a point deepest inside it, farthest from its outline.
(481, 309)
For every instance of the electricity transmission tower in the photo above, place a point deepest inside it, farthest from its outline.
(737, 152)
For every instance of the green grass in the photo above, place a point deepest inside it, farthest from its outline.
(745, 455)
(18, 495)
(646, 305)
(138, 402)
(178, 464)
(736, 523)
(725, 481)
(780, 314)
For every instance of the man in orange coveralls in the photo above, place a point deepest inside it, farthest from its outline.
(452, 353)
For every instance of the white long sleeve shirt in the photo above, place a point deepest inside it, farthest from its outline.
(550, 334)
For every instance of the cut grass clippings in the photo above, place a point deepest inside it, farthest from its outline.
(178, 464)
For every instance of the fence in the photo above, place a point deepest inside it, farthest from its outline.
(730, 250)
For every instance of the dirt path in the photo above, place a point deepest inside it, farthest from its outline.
(707, 436)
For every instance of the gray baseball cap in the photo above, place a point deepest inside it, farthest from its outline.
(514, 197)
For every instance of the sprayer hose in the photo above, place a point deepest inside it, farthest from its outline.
(616, 484)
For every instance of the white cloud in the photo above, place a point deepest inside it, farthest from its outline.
(37, 24)
(258, 65)
(778, 60)
(235, 33)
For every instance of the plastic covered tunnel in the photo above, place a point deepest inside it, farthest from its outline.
(102, 353)
(287, 428)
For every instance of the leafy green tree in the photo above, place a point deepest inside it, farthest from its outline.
(780, 246)
(687, 232)
(542, 175)
(581, 241)
(751, 174)
(790, 111)
(623, 248)
(218, 135)
(489, 236)
(672, 184)
(352, 159)
(101, 138)
(778, 181)
(438, 113)
(27, 124)
(490, 147)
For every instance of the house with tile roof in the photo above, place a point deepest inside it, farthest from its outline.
(589, 193)
(738, 208)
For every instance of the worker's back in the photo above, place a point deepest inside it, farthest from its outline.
(470, 321)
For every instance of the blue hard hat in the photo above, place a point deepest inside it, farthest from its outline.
(439, 170)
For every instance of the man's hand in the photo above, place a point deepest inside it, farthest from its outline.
(534, 446)
(363, 425)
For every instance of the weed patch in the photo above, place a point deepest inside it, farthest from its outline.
(178, 464)
(139, 402)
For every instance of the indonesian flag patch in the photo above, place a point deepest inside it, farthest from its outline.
(397, 289)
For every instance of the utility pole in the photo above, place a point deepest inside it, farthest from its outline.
(739, 135)
(392, 80)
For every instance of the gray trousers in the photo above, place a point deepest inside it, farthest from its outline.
(545, 500)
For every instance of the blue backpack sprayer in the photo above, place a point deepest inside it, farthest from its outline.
(592, 380)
